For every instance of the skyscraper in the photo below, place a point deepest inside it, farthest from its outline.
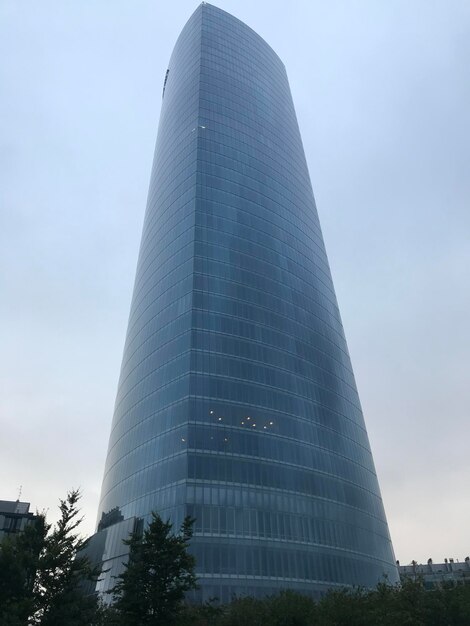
(237, 402)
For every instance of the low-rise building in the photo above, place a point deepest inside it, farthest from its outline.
(14, 516)
(435, 574)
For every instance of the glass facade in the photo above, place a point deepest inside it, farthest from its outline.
(237, 402)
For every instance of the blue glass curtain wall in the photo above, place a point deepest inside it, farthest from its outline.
(237, 402)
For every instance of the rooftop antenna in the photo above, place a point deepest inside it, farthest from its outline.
(17, 508)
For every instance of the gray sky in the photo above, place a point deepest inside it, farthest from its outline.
(382, 92)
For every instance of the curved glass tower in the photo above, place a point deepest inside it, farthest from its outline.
(237, 402)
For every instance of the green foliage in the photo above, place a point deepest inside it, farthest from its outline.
(253, 611)
(159, 572)
(386, 605)
(61, 571)
(19, 560)
(41, 573)
(285, 609)
(208, 614)
(291, 609)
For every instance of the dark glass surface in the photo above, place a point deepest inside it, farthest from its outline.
(237, 402)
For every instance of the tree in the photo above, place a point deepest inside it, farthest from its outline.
(42, 573)
(246, 610)
(58, 588)
(289, 608)
(157, 575)
(19, 560)
(207, 614)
